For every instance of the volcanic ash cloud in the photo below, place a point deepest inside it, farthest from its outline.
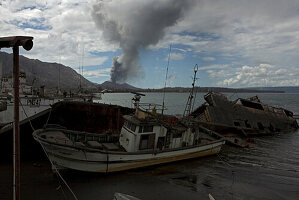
(134, 25)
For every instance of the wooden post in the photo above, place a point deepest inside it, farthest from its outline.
(16, 131)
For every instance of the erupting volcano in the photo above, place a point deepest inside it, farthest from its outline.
(135, 25)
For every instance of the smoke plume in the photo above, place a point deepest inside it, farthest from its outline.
(135, 24)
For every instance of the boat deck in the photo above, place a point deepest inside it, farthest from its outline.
(82, 140)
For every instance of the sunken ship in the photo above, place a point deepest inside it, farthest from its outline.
(242, 117)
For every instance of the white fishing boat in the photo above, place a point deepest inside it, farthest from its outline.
(145, 139)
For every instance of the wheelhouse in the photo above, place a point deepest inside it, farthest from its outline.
(149, 133)
(139, 135)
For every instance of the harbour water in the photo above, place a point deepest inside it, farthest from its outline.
(268, 169)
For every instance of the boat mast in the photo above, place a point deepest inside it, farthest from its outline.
(189, 104)
(82, 59)
(58, 86)
(58, 78)
(1, 65)
(80, 78)
(166, 79)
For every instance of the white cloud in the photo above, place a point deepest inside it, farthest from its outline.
(213, 67)
(254, 32)
(176, 56)
(208, 58)
(63, 31)
(180, 49)
(104, 72)
(260, 75)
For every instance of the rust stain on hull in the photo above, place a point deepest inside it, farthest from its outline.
(242, 117)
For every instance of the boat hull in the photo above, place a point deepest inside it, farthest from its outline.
(101, 161)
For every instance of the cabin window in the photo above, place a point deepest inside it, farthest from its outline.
(251, 104)
(288, 113)
(147, 141)
(177, 135)
(145, 129)
(130, 126)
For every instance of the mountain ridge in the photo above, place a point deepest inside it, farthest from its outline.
(40, 73)
(47, 74)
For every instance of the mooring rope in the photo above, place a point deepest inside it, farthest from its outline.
(48, 117)
(26, 115)
(56, 170)
(233, 174)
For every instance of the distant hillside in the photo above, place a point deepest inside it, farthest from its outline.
(118, 86)
(44, 73)
(124, 87)
(286, 89)
(208, 89)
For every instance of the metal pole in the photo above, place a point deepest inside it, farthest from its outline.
(166, 80)
(16, 131)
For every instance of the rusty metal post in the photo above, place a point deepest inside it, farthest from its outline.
(27, 44)
(16, 131)
(118, 118)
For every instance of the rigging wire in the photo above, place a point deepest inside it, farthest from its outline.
(57, 172)
(233, 174)
(53, 166)
(194, 95)
(26, 114)
(166, 79)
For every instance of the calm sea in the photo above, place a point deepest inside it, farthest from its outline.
(176, 102)
(269, 169)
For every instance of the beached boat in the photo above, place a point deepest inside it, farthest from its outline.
(250, 115)
(145, 139)
(236, 120)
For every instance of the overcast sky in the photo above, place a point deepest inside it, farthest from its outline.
(236, 43)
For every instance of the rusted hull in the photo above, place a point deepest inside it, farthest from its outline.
(81, 116)
(89, 117)
(250, 115)
(239, 119)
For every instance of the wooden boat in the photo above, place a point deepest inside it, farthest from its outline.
(238, 120)
(144, 140)
(249, 115)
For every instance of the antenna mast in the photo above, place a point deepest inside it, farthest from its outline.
(189, 104)
(166, 79)
(82, 67)
(58, 86)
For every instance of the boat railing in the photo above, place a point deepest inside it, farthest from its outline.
(148, 107)
(63, 141)
(85, 137)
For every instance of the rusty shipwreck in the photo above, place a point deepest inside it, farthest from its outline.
(241, 118)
